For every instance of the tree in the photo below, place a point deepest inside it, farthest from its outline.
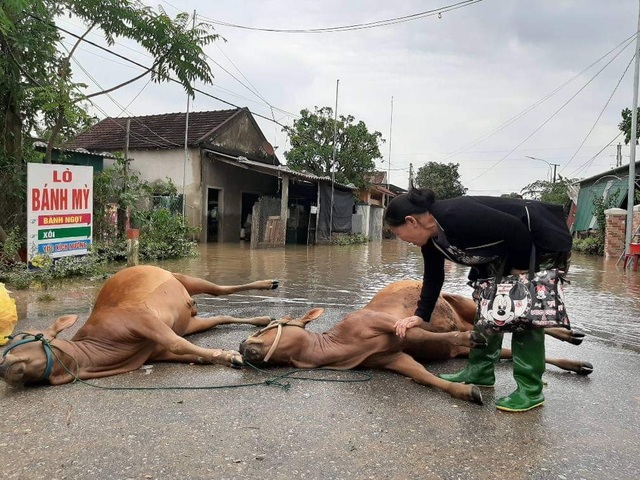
(311, 138)
(443, 179)
(548, 191)
(625, 125)
(37, 92)
(511, 195)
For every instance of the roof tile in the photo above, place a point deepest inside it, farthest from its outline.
(165, 131)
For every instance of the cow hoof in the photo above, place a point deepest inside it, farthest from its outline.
(274, 284)
(476, 396)
(576, 338)
(477, 340)
(237, 361)
(585, 368)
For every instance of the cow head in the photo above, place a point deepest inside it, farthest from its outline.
(278, 342)
(28, 357)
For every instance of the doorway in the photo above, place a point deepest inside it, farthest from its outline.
(213, 215)
(248, 199)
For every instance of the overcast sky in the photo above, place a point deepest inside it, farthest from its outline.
(484, 86)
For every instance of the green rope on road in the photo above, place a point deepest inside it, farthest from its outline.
(275, 380)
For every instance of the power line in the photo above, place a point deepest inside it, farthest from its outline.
(601, 112)
(214, 86)
(588, 163)
(357, 26)
(628, 41)
(552, 115)
(151, 69)
(262, 102)
(124, 110)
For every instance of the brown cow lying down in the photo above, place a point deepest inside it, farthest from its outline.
(140, 316)
(366, 339)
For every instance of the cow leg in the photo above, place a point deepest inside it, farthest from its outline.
(469, 339)
(163, 355)
(159, 332)
(565, 335)
(405, 365)
(198, 285)
(578, 366)
(199, 324)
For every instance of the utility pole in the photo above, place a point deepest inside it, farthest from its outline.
(186, 148)
(554, 165)
(333, 161)
(634, 138)
(389, 157)
(619, 155)
(410, 176)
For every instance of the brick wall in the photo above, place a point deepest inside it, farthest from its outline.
(615, 235)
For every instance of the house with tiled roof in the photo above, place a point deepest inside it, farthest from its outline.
(226, 167)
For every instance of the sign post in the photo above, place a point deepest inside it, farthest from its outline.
(59, 210)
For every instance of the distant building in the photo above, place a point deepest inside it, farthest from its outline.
(227, 169)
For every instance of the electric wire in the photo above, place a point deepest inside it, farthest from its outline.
(134, 118)
(347, 28)
(588, 163)
(262, 102)
(218, 87)
(539, 102)
(600, 115)
(553, 114)
(123, 57)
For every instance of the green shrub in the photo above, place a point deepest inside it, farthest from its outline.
(165, 235)
(591, 245)
(349, 239)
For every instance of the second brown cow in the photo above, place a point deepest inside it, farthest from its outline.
(366, 338)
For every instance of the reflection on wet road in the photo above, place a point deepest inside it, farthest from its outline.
(603, 300)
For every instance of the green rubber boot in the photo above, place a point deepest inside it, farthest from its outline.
(528, 366)
(480, 369)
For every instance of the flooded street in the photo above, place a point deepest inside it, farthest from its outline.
(603, 300)
(384, 428)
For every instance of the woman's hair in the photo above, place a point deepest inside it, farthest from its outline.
(414, 202)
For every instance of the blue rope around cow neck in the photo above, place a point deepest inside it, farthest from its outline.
(28, 338)
(275, 380)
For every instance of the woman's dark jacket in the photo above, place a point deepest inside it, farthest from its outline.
(478, 231)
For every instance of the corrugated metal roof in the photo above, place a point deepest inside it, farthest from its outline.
(606, 185)
(43, 146)
(384, 190)
(280, 169)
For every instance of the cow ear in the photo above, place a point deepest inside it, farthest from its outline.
(62, 323)
(312, 315)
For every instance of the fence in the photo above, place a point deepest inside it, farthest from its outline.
(267, 229)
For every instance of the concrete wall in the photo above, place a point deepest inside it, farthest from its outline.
(162, 164)
(363, 212)
(242, 137)
(375, 223)
(368, 220)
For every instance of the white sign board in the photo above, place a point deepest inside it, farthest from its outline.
(59, 210)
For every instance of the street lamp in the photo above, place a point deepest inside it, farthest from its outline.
(554, 165)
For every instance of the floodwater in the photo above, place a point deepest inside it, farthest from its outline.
(603, 300)
(340, 428)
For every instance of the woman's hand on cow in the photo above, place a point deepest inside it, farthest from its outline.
(404, 324)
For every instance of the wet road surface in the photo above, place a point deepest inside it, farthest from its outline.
(384, 428)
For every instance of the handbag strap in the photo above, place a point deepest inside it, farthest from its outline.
(532, 258)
